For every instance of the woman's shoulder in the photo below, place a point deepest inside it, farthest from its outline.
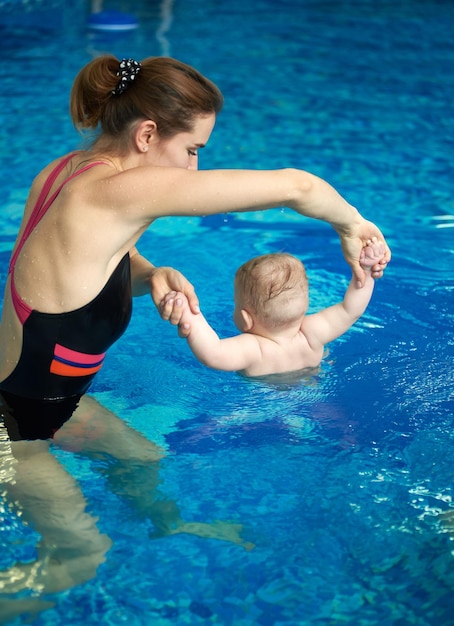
(56, 166)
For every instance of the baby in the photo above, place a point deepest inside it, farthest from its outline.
(271, 300)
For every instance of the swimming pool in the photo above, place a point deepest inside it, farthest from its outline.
(339, 481)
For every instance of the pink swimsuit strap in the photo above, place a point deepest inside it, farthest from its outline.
(39, 210)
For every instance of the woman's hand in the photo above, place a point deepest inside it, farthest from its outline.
(354, 240)
(164, 283)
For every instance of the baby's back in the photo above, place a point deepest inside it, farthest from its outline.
(284, 352)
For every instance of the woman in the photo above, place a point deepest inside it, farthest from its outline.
(75, 267)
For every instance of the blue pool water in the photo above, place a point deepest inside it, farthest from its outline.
(340, 480)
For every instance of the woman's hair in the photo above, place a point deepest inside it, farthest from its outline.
(164, 90)
(274, 287)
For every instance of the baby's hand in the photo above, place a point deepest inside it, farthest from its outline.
(371, 253)
(174, 297)
(181, 313)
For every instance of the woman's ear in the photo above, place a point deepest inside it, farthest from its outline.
(146, 133)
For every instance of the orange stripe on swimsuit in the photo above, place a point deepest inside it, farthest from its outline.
(68, 362)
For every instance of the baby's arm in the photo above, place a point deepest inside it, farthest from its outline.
(327, 325)
(231, 354)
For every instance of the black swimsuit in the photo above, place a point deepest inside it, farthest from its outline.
(61, 353)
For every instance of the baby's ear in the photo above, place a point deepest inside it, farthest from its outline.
(248, 322)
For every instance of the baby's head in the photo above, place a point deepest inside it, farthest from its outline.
(272, 289)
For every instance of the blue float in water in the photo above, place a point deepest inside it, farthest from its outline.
(112, 20)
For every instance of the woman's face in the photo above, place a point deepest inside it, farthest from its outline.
(181, 150)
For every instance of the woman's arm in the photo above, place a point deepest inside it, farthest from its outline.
(146, 193)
